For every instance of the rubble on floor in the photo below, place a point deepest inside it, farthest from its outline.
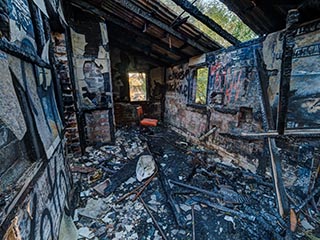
(190, 194)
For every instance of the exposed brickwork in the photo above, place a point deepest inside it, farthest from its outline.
(70, 117)
(97, 127)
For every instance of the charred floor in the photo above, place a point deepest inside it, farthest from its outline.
(162, 119)
(192, 193)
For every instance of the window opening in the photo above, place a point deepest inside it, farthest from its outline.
(201, 84)
(138, 86)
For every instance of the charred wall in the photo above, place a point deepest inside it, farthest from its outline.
(91, 59)
(232, 103)
(34, 176)
(234, 99)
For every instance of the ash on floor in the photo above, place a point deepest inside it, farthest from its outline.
(191, 196)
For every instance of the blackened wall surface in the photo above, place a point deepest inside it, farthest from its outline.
(92, 69)
(233, 102)
(34, 176)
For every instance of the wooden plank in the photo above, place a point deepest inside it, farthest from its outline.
(195, 12)
(128, 27)
(127, 47)
(282, 201)
(147, 16)
(302, 134)
(144, 49)
(286, 66)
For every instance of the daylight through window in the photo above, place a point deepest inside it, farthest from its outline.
(137, 83)
(201, 78)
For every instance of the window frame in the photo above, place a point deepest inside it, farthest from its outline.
(193, 86)
(146, 85)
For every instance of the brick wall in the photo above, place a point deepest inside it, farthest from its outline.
(68, 89)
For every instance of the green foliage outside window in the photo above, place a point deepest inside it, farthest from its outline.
(201, 85)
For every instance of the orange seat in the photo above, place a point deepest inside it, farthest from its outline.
(147, 122)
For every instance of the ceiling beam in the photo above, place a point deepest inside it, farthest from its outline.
(128, 27)
(251, 15)
(147, 16)
(127, 47)
(123, 38)
(153, 40)
(195, 12)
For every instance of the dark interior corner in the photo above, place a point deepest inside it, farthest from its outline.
(162, 119)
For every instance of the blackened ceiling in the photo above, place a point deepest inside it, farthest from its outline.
(150, 29)
(266, 16)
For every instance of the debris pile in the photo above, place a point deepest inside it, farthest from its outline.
(183, 192)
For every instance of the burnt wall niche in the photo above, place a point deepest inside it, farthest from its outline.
(31, 148)
(91, 59)
(124, 62)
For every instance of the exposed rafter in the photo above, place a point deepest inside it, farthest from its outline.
(129, 27)
(128, 48)
(195, 12)
(147, 16)
(123, 38)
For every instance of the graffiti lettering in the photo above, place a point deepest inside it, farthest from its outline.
(311, 27)
(179, 75)
(46, 212)
(307, 51)
(233, 87)
(228, 81)
(178, 87)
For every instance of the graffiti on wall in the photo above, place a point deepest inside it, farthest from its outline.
(10, 114)
(20, 21)
(94, 92)
(93, 83)
(304, 100)
(40, 214)
(92, 67)
(231, 76)
(177, 81)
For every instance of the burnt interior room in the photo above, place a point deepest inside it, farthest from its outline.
(159, 119)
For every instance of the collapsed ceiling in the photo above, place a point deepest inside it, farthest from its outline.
(152, 30)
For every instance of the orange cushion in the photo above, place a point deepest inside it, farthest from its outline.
(149, 122)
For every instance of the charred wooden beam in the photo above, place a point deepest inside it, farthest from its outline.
(153, 219)
(123, 38)
(267, 119)
(24, 54)
(224, 209)
(246, 12)
(147, 16)
(273, 134)
(173, 204)
(153, 40)
(195, 12)
(128, 27)
(286, 67)
(127, 47)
